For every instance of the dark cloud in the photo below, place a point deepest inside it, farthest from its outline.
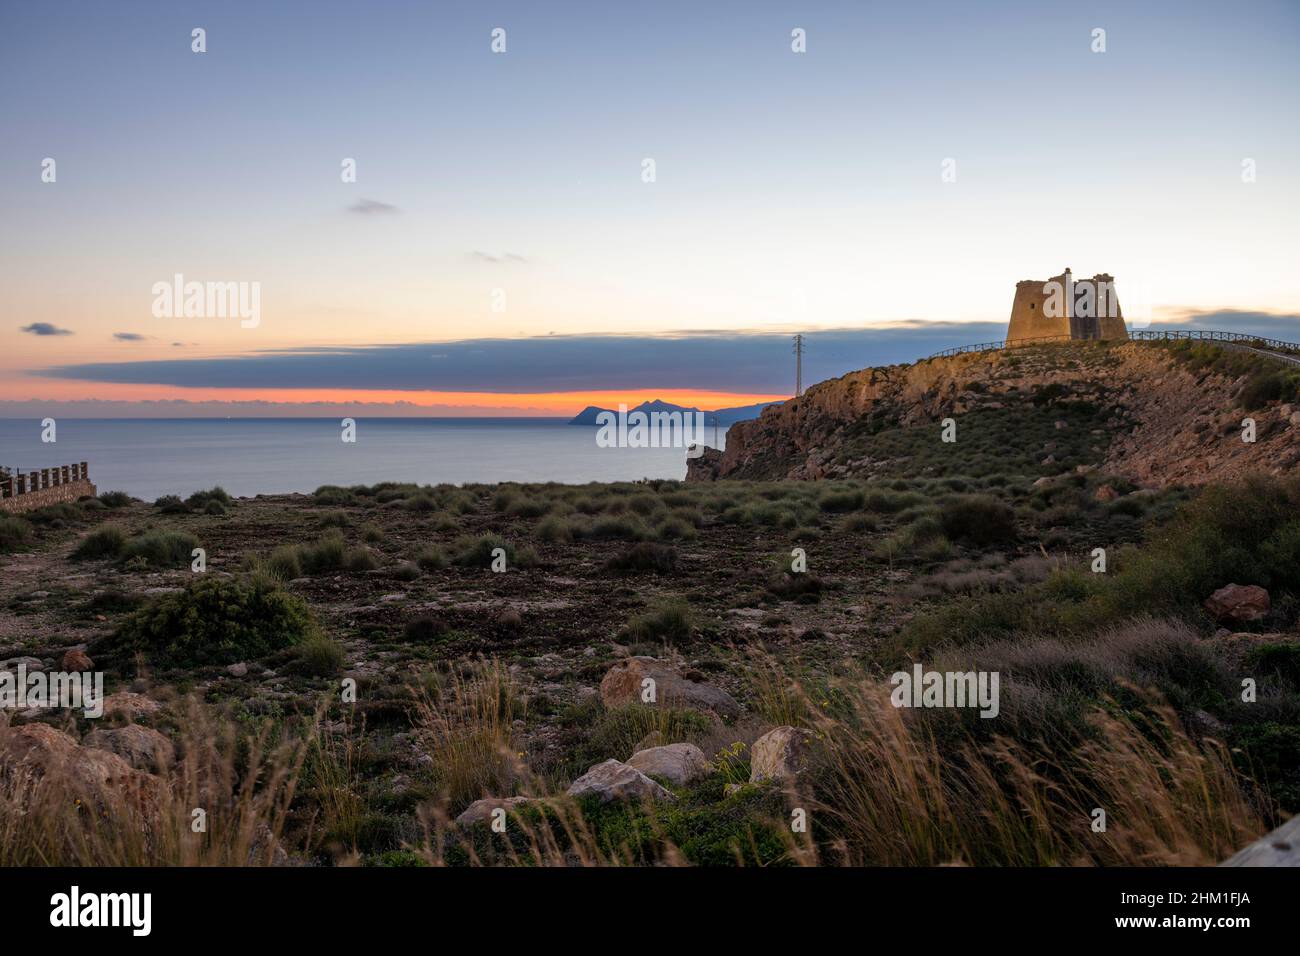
(129, 336)
(372, 207)
(44, 328)
(753, 362)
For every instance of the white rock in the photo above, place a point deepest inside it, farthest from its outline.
(615, 780)
(679, 764)
(481, 810)
(780, 754)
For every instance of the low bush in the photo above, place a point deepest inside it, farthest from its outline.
(217, 621)
(161, 549)
(978, 520)
(669, 623)
(645, 556)
(105, 542)
(14, 532)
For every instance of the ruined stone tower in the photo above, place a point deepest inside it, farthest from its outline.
(1061, 306)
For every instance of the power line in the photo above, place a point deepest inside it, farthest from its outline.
(798, 365)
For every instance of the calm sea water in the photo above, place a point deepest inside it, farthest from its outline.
(249, 456)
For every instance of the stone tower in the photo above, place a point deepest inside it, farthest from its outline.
(1061, 306)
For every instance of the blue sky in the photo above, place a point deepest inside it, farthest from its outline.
(793, 191)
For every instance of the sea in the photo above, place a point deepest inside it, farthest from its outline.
(148, 458)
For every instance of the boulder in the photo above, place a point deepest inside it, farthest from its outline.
(679, 764)
(130, 705)
(237, 670)
(1239, 602)
(615, 780)
(481, 810)
(76, 660)
(623, 685)
(1105, 493)
(95, 777)
(142, 748)
(781, 755)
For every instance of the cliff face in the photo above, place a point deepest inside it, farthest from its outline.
(1158, 421)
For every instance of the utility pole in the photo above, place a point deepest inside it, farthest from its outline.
(798, 365)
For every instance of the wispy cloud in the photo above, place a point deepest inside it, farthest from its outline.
(372, 207)
(129, 336)
(44, 328)
(505, 257)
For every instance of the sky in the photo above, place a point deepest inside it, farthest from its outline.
(501, 250)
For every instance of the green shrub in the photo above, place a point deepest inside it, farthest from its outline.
(200, 499)
(328, 553)
(841, 501)
(645, 556)
(625, 527)
(106, 542)
(55, 516)
(471, 552)
(432, 558)
(161, 549)
(116, 499)
(555, 529)
(14, 532)
(284, 563)
(424, 629)
(359, 560)
(333, 495)
(979, 520)
(171, 505)
(319, 656)
(669, 622)
(1269, 385)
(217, 621)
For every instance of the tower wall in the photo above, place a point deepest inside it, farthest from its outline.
(1029, 318)
(1112, 319)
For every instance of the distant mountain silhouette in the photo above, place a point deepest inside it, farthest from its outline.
(724, 416)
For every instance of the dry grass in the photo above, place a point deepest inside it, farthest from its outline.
(896, 797)
(464, 725)
(243, 782)
(888, 787)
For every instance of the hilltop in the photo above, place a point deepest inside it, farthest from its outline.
(1150, 413)
(723, 416)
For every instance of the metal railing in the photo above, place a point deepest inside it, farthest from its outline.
(1208, 336)
(1000, 346)
(1228, 339)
